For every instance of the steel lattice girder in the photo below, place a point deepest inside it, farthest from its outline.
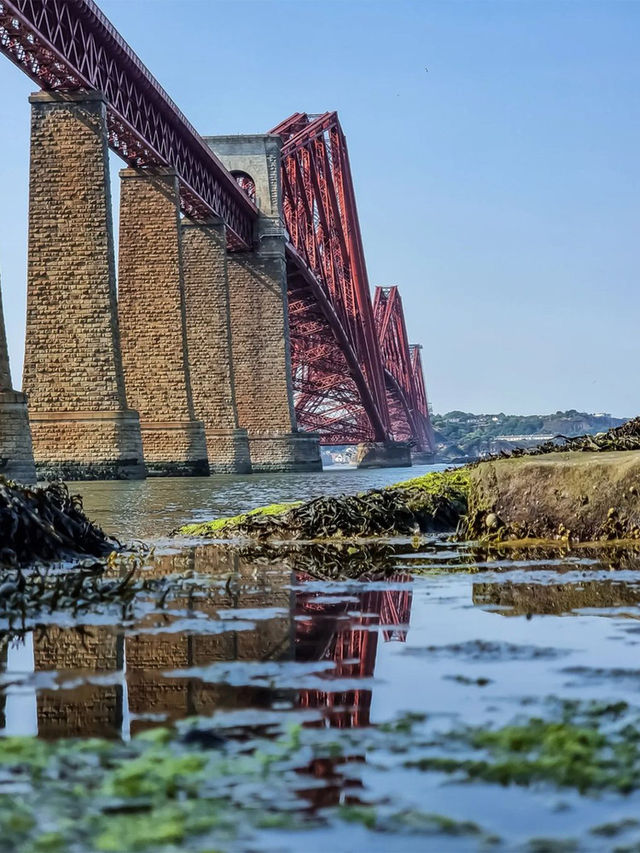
(407, 402)
(421, 391)
(69, 45)
(327, 265)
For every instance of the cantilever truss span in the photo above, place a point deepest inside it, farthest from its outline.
(352, 368)
(337, 366)
(406, 394)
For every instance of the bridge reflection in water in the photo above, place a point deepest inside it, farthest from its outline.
(116, 679)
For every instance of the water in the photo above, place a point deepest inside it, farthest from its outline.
(153, 508)
(250, 642)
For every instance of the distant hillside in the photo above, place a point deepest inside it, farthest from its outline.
(463, 434)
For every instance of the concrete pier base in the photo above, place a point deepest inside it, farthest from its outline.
(290, 453)
(383, 454)
(175, 448)
(88, 445)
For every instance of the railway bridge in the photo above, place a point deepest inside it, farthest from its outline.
(236, 331)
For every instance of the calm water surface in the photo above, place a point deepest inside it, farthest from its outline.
(250, 641)
(153, 508)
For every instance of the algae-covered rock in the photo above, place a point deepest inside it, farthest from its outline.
(214, 529)
(575, 495)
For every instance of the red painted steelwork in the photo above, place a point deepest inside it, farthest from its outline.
(69, 45)
(337, 366)
(421, 392)
(407, 404)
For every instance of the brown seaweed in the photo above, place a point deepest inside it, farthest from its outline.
(46, 524)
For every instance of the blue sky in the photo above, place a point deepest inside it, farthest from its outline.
(500, 189)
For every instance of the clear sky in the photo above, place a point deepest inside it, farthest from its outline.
(500, 188)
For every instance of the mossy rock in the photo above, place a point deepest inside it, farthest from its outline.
(218, 527)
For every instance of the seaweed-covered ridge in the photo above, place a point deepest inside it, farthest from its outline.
(44, 524)
(431, 503)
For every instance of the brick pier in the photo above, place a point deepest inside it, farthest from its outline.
(259, 317)
(209, 341)
(81, 425)
(151, 304)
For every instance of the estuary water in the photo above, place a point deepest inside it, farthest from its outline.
(388, 663)
(153, 508)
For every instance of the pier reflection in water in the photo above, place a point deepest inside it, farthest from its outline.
(240, 643)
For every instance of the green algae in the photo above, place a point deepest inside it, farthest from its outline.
(455, 480)
(582, 750)
(156, 793)
(218, 526)
(161, 792)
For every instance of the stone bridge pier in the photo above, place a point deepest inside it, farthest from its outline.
(257, 284)
(208, 319)
(81, 425)
(151, 305)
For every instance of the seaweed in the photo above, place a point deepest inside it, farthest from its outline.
(429, 504)
(46, 524)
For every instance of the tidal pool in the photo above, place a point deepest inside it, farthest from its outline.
(432, 697)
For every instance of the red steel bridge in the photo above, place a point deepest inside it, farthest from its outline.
(356, 378)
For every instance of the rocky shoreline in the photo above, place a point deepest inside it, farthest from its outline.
(585, 489)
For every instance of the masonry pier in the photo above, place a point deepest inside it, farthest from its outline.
(151, 304)
(208, 322)
(16, 451)
(259, 316)
(81, 424)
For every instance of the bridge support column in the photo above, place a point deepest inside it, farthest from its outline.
(259, 317)
(151, 304)
(422, 457)
(81, 426)
(262, 364)
(209, 342)
(16, 451)
(383, 454)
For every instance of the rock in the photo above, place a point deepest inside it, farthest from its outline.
(575, 495)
